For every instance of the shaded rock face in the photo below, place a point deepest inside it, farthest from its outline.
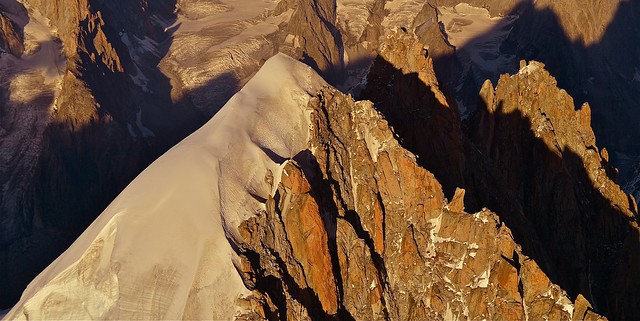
(404, 88)
(381, 227)
(543, 153)
(580, 51)
(579, 43)
(528, 155)
(10, 38)
(319, 41)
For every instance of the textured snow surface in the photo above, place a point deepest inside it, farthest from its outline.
(478, 34)
(218, 45)
(353, 16)
(401, 13)
(161, 249)
(28, 87)
(43, 51)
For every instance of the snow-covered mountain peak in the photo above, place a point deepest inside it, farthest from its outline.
(160, 250)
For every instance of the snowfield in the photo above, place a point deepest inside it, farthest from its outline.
(161, 249)
(473, 31)
(217, 45)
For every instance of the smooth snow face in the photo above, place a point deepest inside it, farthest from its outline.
(161, 249)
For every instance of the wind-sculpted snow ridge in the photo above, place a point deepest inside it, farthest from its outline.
(160, 250)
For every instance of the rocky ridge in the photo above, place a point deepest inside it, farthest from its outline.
(87, 121)
(554, 188)
(563, 184)
(352, 228)
(381, 227)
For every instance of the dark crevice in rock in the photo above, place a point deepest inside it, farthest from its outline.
(307, 297)
(329, 211)
(267, 284)
(354, 220)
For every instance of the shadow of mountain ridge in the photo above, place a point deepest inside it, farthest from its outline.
(584, 237)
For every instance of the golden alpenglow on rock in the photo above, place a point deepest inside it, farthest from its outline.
(319, 160)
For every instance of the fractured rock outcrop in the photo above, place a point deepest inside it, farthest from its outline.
(396, 248)
(403, 86)
(529, 156)
(543, 153)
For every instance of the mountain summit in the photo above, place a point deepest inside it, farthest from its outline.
(293, 202)
(355, 159)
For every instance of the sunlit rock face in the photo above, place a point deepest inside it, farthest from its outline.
(93, 91)
(564, 185)
(575, 41)
(322, 215)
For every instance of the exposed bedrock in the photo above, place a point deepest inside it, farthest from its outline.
(381, 227)
(527, 154)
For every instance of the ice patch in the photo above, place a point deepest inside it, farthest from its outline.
(140, 80)
(138, 48)
(139, 51)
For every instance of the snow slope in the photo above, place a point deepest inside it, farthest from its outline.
(161, 249)
(478, 34)
(218, 45)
